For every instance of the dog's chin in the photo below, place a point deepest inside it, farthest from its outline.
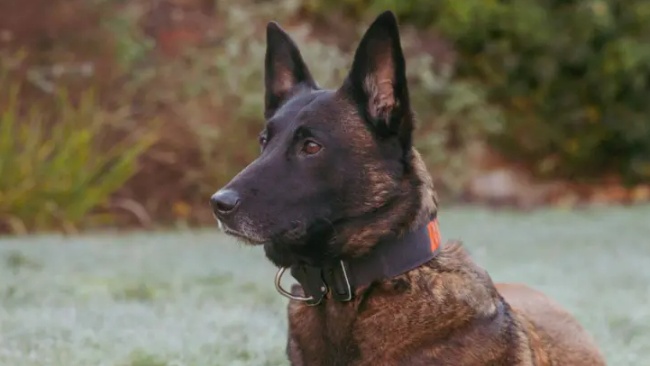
(244, 237)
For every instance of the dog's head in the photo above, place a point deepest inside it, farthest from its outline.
(337, 170)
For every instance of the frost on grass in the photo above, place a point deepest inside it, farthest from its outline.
(140, 358)
(197, 298)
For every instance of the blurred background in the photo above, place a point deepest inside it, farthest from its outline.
(134, 112)
(119, 114)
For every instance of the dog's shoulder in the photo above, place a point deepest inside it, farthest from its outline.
(452, 278)
(454, 275)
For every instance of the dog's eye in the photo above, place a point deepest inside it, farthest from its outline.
(310, 148)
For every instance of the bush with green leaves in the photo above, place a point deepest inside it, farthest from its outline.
(573, 78)
(55, 169)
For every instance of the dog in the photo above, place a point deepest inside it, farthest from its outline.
(341, 198)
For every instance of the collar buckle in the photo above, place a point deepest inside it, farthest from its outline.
(338, 279)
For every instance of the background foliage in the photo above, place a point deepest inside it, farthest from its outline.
(571, 77)
(557, 89)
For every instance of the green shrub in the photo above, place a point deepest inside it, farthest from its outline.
(571, 77)
(453, 117)
(53, 175)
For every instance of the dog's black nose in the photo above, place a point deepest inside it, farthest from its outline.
(224, 202)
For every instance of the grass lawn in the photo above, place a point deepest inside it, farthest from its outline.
(199, 298)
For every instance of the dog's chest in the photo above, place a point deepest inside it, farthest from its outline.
(416, 330)
(337, 335)
(322, 335)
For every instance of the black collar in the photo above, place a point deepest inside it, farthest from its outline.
(387, 259)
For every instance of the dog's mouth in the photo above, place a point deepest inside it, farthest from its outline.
(248, 238)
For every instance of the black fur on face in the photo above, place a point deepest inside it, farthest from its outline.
(334, 164)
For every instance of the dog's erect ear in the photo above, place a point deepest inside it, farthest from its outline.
(284, 68)
(377, 80)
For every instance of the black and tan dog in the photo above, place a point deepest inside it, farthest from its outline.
(340, 197)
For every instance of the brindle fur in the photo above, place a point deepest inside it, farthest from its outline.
(366, 182)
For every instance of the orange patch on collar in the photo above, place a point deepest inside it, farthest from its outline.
(434, 235)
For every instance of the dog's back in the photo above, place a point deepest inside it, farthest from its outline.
(554, 330)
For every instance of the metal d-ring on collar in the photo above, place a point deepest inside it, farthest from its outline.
(285, 293)
(309, 300)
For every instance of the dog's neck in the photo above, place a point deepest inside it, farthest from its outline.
(414, 209)
(340, 280)
(428, 197)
